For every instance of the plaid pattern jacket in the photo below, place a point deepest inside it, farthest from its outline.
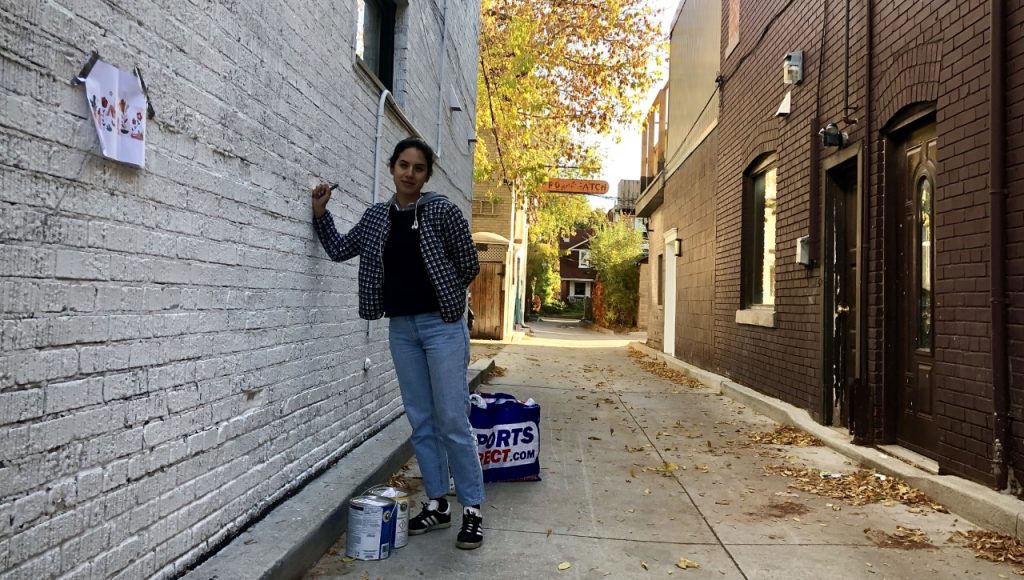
(446, 244)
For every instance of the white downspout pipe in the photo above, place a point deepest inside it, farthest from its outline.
(441, 58)
(376, 156)
(376, 142)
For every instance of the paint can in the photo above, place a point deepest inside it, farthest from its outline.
(371, 527)
(401, 498)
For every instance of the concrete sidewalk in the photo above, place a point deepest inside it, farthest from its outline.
(641, 473)
(984, 506)
(290, 539)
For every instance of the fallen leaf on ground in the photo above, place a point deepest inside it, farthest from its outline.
(992, 546)
(564, 566)
(902, 539)
(685, 564)
(665, 470)
(785, 435)
(661, 369)
(858, 488)
(400, 481)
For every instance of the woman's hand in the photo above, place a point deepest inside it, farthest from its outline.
(321, 195)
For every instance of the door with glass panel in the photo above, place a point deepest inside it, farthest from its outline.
(912, 348)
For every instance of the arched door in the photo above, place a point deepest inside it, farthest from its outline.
(911, 268)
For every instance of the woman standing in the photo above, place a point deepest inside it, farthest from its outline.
(416, 259)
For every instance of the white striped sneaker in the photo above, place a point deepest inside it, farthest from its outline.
(430, 518)
(471, 535)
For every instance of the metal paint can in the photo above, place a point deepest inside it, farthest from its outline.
(401, 498)
(371, 527)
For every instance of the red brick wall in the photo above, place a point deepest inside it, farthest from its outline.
(923, 51)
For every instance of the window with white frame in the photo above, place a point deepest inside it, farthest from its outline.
(375, 38)
(759, 225)
(584, 258)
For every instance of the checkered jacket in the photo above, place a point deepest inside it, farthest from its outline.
(446, 244)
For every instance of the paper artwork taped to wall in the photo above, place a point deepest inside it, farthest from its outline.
(118, 106)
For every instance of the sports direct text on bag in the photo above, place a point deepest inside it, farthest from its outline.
(509, 444)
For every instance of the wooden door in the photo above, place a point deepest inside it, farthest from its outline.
(912, 349)
(843, 289)
(488, 301)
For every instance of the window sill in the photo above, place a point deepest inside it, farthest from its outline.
(368, 73)
(756, 316)
(363, 70)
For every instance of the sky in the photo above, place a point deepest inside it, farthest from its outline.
(622, 158)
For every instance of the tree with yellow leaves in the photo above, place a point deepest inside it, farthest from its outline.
(552, 72)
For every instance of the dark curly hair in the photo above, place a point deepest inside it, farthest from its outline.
(418, 143)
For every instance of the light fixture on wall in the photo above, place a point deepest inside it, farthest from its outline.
(454, 104)
(831, 136)
(678, 246)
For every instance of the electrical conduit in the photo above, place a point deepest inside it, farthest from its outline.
(376, 156)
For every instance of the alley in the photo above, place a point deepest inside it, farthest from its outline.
(645, 477)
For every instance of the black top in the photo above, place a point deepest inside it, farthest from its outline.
(407, 288)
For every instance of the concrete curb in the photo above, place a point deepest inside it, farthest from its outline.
(479, 371)
(978, 504)
(291, 538)
(595, 327)
(710, 380)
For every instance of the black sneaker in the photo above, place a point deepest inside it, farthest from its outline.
(471, 535)
(430, 518)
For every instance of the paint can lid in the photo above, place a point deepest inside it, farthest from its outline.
(372, 501)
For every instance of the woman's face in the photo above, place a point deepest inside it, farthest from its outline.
(410, 171)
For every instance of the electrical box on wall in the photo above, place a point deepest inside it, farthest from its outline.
(803, 250)
(793, 68)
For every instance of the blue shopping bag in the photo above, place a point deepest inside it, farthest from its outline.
(507, 434)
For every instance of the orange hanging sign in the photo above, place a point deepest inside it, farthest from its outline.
(584, 186)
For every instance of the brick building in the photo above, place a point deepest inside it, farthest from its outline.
(874, 278)
(178, 353)
(574, 270)
(500, 232)
(678, 195)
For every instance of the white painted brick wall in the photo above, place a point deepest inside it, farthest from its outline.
(176, 352)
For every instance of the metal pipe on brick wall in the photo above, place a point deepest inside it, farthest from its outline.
(997, 233)
(846, 68)
(814, 229)
(441, 74)
(864, 403)
(384, 95)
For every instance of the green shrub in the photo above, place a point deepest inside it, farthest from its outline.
(614, 253)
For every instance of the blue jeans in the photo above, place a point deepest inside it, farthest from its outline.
(431, 357)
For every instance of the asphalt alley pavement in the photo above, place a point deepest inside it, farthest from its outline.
(642, 474)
